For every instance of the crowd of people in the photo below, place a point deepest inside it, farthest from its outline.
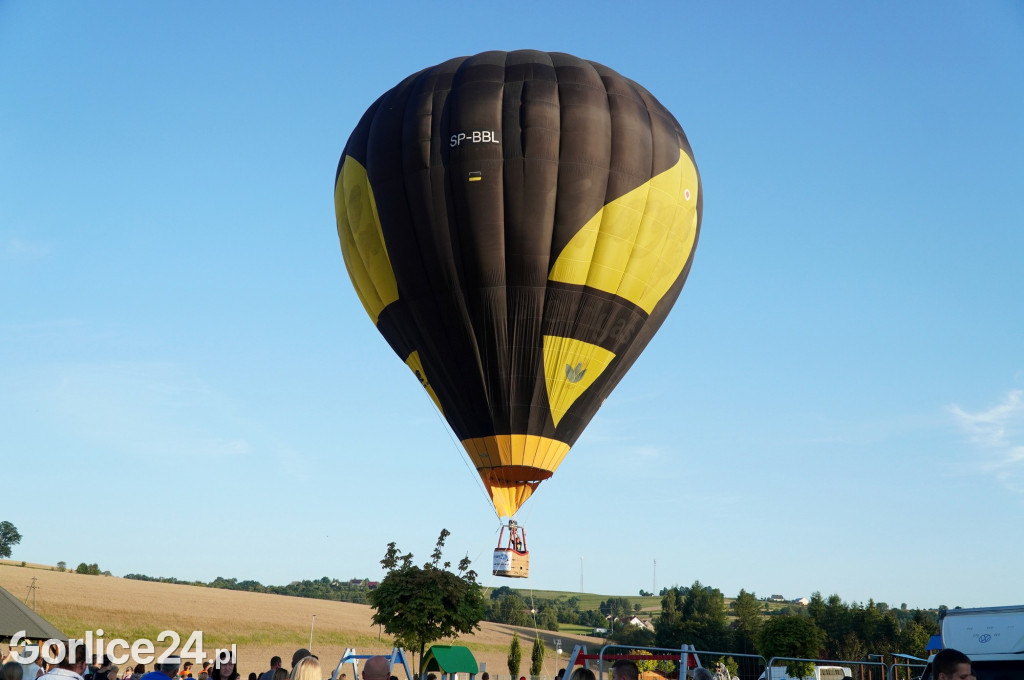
(948, 664)
(305, 666)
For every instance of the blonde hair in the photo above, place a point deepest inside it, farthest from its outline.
(307, 669)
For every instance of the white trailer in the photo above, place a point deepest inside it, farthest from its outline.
(992, 637)
(820, 673)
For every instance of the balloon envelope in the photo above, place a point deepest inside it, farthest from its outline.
(517, 225)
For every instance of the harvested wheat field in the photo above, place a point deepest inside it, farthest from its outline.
(259, 624)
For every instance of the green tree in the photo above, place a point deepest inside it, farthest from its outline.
(9, 537)
(730, 665)
(914, 638)
(62, 566)
(791, 636)
(515, 656)
(644, 665)
(537, 657)
(628, 634)
(511, 609)
(616, 607)
(548, 618)
(419, 605)
(694, 615)
(749, 619)
(498, 593)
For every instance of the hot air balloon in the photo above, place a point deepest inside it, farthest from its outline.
(517, 225)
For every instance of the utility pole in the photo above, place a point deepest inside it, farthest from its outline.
(32, 593)
(311, 623)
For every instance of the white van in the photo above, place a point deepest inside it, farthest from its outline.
(992, 637)
(820, 673)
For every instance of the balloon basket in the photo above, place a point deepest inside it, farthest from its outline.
(511, 558)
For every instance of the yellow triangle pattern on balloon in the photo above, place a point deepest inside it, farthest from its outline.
(570, 367)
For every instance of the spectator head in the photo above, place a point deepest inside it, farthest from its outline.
(702, 674)
(951, 664)
(11, 671)
(376, 668)
(275, 663)
(299, 655)
(72, 654)
(581, 673)
(225, 668)
(308, 668)
(169, 667)
(485, 676)
(624, 669)
(279, 674)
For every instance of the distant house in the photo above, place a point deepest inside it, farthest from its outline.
(372, 584)
(802, 600)
(777, 598)
(641, 623)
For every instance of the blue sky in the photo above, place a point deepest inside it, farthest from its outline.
(836, 402)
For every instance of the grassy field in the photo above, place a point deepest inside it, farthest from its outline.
(590, 600)
(261, 625)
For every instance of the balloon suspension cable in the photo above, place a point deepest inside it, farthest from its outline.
(461, 452)
(533, 611)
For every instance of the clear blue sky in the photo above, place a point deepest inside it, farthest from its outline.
(189, 386)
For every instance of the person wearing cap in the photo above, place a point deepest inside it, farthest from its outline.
(167, 669)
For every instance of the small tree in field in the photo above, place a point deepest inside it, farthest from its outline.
(515, 656)
(537, 657)
(418, 605)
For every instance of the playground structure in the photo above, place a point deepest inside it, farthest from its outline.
(448, 660)
(397, 657)
(452, 660)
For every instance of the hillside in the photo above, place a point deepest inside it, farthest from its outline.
(261, 625)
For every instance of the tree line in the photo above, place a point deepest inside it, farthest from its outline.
(826, 627)
(324, 588)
